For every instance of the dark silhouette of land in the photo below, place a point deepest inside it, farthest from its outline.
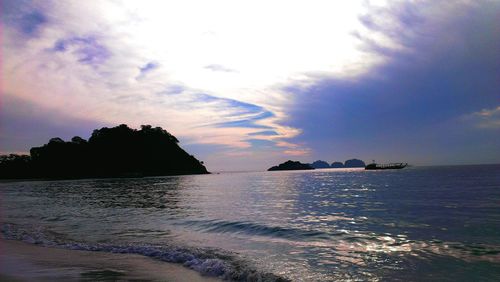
(291, 165)
(110, 152)
(348, 164)
(320, 164)
(354, 163)
(337, 165)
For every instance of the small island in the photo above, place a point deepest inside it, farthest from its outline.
(337, 165)
(320, 164)
(354, 163)
(291, 165)
(110, 152)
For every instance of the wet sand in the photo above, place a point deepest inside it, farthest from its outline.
(20, 261)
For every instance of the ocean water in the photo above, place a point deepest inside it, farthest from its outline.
(417, 224)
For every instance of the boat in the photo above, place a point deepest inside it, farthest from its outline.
(374, 166)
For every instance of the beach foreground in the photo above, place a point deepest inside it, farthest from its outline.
(20, 261)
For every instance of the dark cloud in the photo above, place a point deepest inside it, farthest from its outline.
(27, 17)
(410, 107)
(30, 23)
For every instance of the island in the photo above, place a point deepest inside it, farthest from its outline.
(354, 163)
(110, 152)
(337, 165)
(320, 164)
(291, 165)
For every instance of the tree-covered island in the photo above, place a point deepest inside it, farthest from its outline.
(109, 152)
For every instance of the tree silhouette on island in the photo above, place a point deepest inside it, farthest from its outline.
(110, 152)
(291, 165)
(120, 152)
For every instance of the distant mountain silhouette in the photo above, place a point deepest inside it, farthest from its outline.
(110, 152)
(291, 165)
(320, 164)
(354, 163)
(337, 165)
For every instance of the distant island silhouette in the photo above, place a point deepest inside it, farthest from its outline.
(320, 164)
(337, 165)
(110, 152)
(295, 165)
(291, 165)
(354, 163)
(347, 164)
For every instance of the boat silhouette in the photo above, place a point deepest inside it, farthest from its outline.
(374, 166)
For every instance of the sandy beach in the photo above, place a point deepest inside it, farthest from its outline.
(20, 261)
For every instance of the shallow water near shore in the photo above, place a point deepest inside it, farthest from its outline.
(420, 223)
(27, 262)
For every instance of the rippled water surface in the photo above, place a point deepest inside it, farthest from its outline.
(426, 223)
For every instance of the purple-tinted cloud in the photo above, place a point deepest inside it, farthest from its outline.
(421, 70)
(148, 67)
(411, 107)
(30, 23)
(87, 49)
(264, 133)
(174, 89)
(24, 16)
(241, 114)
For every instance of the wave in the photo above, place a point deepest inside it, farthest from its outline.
(210, 262)
(355, 243)
(251, 228)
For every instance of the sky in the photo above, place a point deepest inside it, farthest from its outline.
(245, 85)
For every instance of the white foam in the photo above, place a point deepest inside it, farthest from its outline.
(207, 262)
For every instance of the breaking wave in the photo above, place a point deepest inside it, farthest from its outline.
(210, 262)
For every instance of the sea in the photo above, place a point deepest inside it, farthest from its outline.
(439, 223)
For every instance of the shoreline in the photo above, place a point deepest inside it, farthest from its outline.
(20, 261)
(8, 180)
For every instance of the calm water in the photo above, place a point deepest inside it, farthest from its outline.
(428, 223)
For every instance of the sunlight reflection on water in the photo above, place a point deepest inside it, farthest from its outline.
(314, 225)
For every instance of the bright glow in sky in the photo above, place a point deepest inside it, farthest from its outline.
(210, 72)
(242, 51)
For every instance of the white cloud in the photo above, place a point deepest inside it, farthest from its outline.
(265, 45)
(238, 53)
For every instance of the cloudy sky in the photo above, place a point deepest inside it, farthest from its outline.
(248, 84)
